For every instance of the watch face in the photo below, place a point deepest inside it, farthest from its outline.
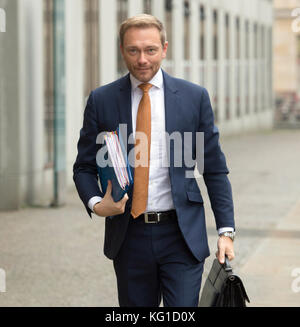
(229, 234)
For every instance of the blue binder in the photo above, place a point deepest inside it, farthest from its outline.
(108, 173)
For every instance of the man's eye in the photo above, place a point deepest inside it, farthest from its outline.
(132, 51)
(151, 51)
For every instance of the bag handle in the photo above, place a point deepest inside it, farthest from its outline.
(226, 265)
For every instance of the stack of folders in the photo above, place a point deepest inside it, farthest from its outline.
(116, 166)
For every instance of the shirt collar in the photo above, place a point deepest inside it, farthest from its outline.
(157, 80)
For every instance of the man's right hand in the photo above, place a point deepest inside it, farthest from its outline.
(107, 206)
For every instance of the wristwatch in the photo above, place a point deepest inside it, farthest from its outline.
(229, 234)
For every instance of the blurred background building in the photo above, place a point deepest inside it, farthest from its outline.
(54, 52)
(286, 63)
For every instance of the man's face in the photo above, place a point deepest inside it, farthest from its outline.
(143, 52)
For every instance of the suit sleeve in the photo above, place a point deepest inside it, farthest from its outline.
(215, 169)
(85, 169)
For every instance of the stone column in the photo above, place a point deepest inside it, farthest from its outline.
(232, 69)
(195, 40)
(177, 40)
(2, 20)
(74, 79)
(251, 67)
(158, 9)
(259, 69)
(10, 134)
(135, 7)
(266, 85)
(221, 66)
(208, 44)
(108, 40)
(242, 66)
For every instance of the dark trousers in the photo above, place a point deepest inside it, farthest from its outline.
(155, 261)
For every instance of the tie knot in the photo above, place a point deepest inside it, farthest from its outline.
(145, 87)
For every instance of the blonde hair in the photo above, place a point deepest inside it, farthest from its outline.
(143, 21)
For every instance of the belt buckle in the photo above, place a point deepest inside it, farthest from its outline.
(146, 215)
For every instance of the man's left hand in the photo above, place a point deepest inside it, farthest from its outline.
(225, 246)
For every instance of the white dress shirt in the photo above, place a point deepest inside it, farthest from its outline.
(159, 190)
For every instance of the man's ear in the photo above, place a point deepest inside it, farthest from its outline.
(165, 48)
(121, 49)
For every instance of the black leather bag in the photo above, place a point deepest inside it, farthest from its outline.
(222, 288)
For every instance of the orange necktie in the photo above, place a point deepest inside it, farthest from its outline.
(141, 173)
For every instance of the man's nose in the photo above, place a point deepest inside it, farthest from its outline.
(142, 58)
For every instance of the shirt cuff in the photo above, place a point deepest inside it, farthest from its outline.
(93, 201)
(225, 229)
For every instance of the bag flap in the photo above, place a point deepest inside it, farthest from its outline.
(239, 282)
(236, 285)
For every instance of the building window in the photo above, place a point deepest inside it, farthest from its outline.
(238, 46)
(169, 26)
(91, 20)
(237, 55)
(263, 65)
(147, 7)
(215, 35)
(122, 15)
(227, 37)
(227, 68)
(247, 67)
(48, 83)
(270, 68)
(255, 67)
(202, 32)
(215, 65)
(187, 30)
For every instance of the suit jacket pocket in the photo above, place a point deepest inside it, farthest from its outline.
(194, 196)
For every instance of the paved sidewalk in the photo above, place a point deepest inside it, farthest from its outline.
(265, 174)
(54, 257)
(273, 271)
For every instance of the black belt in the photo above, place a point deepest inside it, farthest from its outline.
(156, 217)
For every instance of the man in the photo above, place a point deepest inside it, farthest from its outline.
(155, 235)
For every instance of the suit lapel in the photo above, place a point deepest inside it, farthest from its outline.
(124, 106)
(172, 110)
(125, 113)
(172, 103)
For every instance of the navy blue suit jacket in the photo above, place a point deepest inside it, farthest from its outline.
(187, 109)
